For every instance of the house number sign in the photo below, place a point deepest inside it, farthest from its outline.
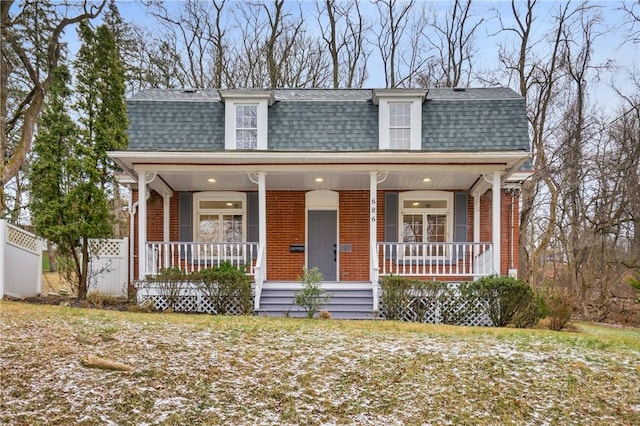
(372, 210)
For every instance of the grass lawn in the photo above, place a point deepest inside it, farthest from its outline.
(201, 369)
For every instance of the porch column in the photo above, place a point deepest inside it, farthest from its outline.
(495, 222)
(262, 219)
(166, 221)
(142, 225)
(476, 218)
(373, 208)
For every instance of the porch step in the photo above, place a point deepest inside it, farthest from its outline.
(349, 301)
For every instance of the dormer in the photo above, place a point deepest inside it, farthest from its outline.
(246, 118)
(399, 118)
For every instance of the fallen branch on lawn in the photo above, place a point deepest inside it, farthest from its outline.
(93, 361)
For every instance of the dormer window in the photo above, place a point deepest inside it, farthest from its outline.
(399, 125)
(246, 126)
(246, 118)
(400, 118)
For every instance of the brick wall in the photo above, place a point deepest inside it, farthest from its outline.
(508, 256)
(286, 225)
(354, 231)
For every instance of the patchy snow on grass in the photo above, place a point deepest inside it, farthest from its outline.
(211, 370)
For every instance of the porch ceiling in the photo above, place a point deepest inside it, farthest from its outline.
(331, 180)
(300, 171)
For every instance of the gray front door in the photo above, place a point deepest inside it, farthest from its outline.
(321, 242)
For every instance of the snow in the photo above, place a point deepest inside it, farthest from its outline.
(225, 373)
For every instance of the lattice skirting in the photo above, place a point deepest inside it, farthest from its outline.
(23, 239)
(444, 310)
(191, 299)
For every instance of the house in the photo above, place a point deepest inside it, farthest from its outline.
(360, 183)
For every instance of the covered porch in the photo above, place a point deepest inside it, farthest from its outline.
(284, 189)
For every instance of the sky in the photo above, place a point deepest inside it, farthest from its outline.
(610, 46)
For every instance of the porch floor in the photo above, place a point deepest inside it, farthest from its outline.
(351, 300)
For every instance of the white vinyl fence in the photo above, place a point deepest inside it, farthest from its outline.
(20, 262)
(109, 266)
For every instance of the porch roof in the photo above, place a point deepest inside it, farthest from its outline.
(192, 171)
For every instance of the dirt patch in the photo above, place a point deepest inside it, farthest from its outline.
(53, 283)
(115, 304)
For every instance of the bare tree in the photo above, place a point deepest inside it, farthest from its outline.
(198, 37)
(453, 39)
(399, 41)
(31, 50)
(343, 33)
(632, 10)
(538, 77)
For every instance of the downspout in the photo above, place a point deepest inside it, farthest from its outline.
(513, 192)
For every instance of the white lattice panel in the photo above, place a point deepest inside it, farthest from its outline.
(442, 309)
(189, 299)
(22, 239)
(105, 247)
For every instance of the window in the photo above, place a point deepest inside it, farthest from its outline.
(426, 221)
(246, 114)
(219, 218)
(399, 125)
(246, 126)
(399, 118)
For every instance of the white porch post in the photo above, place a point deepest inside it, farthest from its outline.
(495, 222)
(373, 209)
(166, 221)
(166, 216)
(142, 225)
(262, 219)
(476, 218)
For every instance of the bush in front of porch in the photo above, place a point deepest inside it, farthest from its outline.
(311, 296)
(227, 288)
(489, 301)
(221, 290)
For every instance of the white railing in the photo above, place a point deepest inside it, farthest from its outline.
(259, 277)
(193, 257)
(436, 259)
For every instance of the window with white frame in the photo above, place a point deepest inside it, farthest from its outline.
(246, 116)
(426, 222)
(246, 126)
(399, 118)
(219, 218)
(400, 125)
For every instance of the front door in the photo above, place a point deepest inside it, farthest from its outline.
(322, 243)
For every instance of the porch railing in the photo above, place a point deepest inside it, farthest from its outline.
(436, 259)
(192, 257)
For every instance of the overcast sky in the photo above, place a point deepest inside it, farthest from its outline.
(610, 46)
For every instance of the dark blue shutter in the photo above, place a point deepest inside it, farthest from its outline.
(391, 220)
(185, 216)
(253, 219)
(460, 219)
(185, 219)
(391, 217)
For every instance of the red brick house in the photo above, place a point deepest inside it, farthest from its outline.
(359, 183)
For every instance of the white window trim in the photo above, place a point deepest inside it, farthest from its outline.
(426, 196)
(219, 196)
(236, 127)
(382, 98)
(232, 98)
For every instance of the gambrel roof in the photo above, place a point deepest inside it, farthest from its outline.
(330, 120)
